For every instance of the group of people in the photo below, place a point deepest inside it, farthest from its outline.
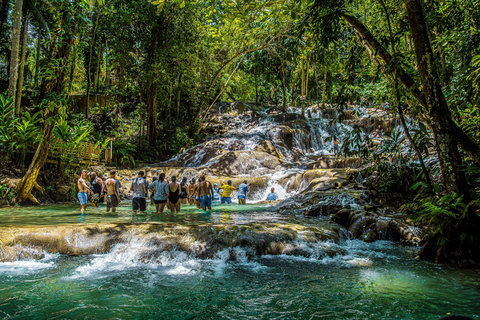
(163, 193)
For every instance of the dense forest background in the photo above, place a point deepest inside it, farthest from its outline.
(164, 63)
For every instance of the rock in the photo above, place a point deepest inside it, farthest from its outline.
(236, 146)
(64, 192)
(342, 217)
(253, 163)
(268, 147)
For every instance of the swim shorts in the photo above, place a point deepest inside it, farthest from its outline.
(82, 197)
(226, 200)
(160, 201)
(139, 203)
(112, 201)
(205, 201)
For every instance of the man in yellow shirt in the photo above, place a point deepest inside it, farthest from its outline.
(227, 191)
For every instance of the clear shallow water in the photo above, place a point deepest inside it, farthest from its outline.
(376, 281)
(381, 280)
(69, 214)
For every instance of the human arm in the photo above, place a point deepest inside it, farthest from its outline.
(84, 184)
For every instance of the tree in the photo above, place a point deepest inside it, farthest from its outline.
(12, 87)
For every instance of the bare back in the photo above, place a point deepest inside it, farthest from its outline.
(204, 189)
(111, 186)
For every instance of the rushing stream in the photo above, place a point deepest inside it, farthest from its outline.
(380, 280)
(300, 259)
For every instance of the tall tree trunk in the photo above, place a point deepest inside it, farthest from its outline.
(465, 141)
(303, 88)
(89, 69)
(437, 108)
(72, 70)
(12, 86)
(55, 85)
(324, 88)
(151, 115)
(179, 92)
(256, 87)
(37, 60)
(18, 99)
(107, 71)
(284, 91)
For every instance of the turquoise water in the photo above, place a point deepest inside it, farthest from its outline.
(381, 280)
(70, 214)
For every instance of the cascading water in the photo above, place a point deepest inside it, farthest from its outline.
(295, 260)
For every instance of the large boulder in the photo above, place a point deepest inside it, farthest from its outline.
(268, 147)
(253, 163)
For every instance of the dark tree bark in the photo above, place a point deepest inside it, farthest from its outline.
(437, 108)
(150, 93)
(37, 62)
(467, 143)
(17, 24)
(23, 54)
(53, 85)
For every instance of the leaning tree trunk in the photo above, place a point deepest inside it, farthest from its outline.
(29, 181)
(466, 142)
(437, 108)
(12, 86)
(55, 85)
(18, 98)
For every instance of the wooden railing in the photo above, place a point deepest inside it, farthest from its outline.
(86, 153)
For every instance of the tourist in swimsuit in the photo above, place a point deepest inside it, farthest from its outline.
(174, 195)
(191, 192)
(161, 192)
(97, 188)
(112, 195)
(242, 193)
(227, 191)
(205, 193)
(140, 191)
(183, 191)
(83, 191)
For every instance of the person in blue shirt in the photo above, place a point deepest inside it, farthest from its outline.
(216, 195)
(242, 192)
(272, 196)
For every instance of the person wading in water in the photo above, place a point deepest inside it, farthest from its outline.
(112, 196)
(161, 192)
(140, 191)
(83, 191)
(192, 188)
(97, 188)
(205, 193)
(174, 195)
(183, 191)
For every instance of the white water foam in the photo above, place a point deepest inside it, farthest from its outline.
(29, 266)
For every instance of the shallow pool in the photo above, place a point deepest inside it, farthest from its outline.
(381, 280)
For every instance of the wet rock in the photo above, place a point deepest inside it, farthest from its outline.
(236, 146)
(342, 217)
(268, 147)
(246, 162)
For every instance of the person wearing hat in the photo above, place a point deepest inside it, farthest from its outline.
(216, 195)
